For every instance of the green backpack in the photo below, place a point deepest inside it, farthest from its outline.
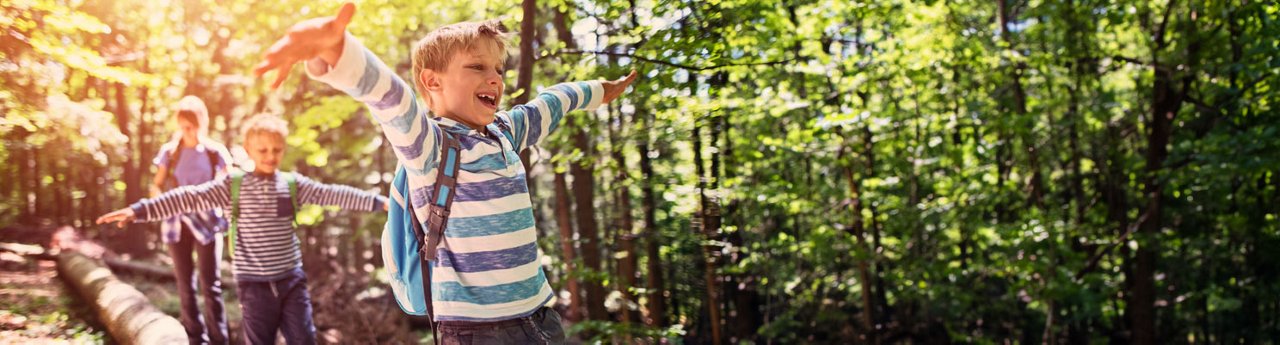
(237, 176)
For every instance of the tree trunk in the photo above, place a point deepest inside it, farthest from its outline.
(37, 200)
(1167, 99)
(134, 241)
(585, 211)
(708, 212)
(127, 314)
(741, 289)
(1142, 304)
(524, 84)
(858, 231)
(655, 306)
(132, 175)
(528, 27)
(624, 235)
(25, 168)
(583, 189)
(571, 275)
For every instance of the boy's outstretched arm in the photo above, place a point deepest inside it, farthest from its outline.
(202, 197)
(336, 58)
(533, 121)
(346, 197)
(315, 38)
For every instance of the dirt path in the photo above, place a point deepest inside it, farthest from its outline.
(36, 306)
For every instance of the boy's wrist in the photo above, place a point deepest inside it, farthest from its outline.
(317, 66)
(139, 210)
(331, 54)
(341, 70)
(326, 59)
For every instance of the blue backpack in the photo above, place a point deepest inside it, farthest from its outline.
(404, 252)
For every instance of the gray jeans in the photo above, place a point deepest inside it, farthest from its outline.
(541, 327)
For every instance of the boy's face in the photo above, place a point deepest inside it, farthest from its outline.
(470, 88)
(266, 151)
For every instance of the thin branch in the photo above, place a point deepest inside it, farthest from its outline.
(1141, 63)
(1202, 106)
(666, 63)
(1093, 261)
(1159, 34)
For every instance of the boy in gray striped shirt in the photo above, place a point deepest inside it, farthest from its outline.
(267, 261)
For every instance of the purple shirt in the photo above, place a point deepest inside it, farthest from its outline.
(193, 167)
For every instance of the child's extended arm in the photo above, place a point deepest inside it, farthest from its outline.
(338, 59)
(187, 199)
(346, 197)
(533, 121)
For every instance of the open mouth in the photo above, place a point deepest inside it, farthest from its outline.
(488, 99)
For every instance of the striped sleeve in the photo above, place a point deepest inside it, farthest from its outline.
(346, 197)
(533, 121)
(186, 199)
(392, 102)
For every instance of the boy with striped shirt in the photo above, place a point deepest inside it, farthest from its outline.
(266, 259)
(487, 281)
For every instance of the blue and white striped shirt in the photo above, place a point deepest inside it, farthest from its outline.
(266, 248)
(489, 264)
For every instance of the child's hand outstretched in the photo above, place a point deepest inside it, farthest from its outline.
(120, 217)
(312, 38)
(615, 88)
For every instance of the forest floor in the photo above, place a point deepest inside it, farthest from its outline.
(39, 308)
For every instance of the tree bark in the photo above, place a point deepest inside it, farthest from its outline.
(585, 211)
(740, 289)
(564, 221)
(624, 235)
(528, 27)
(524, 84)
(127, 314)
(864, 272)
(655, 306)
(709, 213)
(134, 241)
(1167, 99)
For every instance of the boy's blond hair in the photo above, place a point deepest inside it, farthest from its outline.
(192, 109)
(263, 124)
(434, 50)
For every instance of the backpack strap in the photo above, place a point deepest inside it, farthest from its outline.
(237, 176)
(446, 186)
(292, 180)
(445, 189)
(421, 234)
(171, 181)
(214, 157)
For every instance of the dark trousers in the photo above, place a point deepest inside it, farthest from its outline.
(542, 327)
(212, 328)
(283, 304)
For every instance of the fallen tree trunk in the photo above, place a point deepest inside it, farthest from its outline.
(127, 314)
(158, 272)
(33, 251)
(152, 271)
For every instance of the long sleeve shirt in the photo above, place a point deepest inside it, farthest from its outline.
(195, 165)
(488, 265)
(266, 245)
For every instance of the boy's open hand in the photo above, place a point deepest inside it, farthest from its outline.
(311, 38)
(615, 88)
(120, 217)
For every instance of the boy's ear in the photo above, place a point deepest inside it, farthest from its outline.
(429, 79)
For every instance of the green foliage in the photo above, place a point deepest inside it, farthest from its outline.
(981, 163)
